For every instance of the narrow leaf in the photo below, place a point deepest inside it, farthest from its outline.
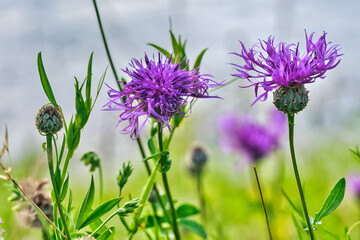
(100, 211)
(296, 208)
(160, 49)
(107, 235)
(151, 146)
(86, 205)
(64, 189)
(199, 58)
(332, 201)
(186, 210)
(45, 82)
(193, 226)
(174, 44)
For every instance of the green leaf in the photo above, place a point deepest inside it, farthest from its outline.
(86, 205)
(299, 227)
(175, 44)
(186, 210)
(45, 82)
(88, 83)
(100, 211)
(332, 201)
(160, 49)
(199, 58)
(296, 208)
(151, 146)
(193, 226)
(107, 235)
(64, 189)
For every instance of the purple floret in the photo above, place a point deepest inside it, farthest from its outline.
(254, 141)
(158, 89)
(269, 66)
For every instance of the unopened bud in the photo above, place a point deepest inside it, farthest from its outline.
(197, 161)
(291, 100)
(49, 120)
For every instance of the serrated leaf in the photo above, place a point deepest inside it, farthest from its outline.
(193, 226)
(45, 82)
(199, 58)
(100, 211)
(332, 201)
(160, 49)
(107, 235)
(186, 210)
(86, 205)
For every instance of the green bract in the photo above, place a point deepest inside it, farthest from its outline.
(291, 100)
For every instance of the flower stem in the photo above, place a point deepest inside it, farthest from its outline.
(167, 190)
(297, 176)
(106, 45)
(200, 191)
(54, 183)
(263, 203)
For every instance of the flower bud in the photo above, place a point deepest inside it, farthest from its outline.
(291, 100)
(48, 120)
(197, 161)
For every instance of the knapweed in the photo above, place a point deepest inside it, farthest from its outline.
(282, 66)
(354, 185)
(246, 136)
(158, 89)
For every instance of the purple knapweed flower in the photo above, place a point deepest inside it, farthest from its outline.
(158, 89)
(353, 181)
(246, 136)
(269, 66)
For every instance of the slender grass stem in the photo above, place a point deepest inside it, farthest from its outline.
(263, 203)
(54, 183)
(200, 191)
(297, 175)
(106, 45)
(167, 190)
(101, 179)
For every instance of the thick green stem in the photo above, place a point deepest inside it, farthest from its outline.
(296, 171)
(54, 184)
(167, 190)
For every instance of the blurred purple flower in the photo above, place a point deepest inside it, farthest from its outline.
(353, 182)
(244, 135)
(158, 89)
(284, 65)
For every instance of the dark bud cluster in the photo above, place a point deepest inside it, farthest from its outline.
(49, 120)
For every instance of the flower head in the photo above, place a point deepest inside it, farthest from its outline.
(283, 65)
(244, 135)
(354, 185)
(158, 89)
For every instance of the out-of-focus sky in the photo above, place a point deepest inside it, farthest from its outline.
(66, 32)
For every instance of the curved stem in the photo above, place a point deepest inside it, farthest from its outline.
(54, 183)
(297, 175)
(167, 190)
(263, 203)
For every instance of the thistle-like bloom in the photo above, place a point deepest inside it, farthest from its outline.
(353, 182)
(158, 89)
(254, 141)
(283, 65)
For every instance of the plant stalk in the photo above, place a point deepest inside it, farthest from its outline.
(167, 190)
(263, 203)
(54, 184)
(297, 175)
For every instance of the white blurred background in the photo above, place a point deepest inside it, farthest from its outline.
(66, 32)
